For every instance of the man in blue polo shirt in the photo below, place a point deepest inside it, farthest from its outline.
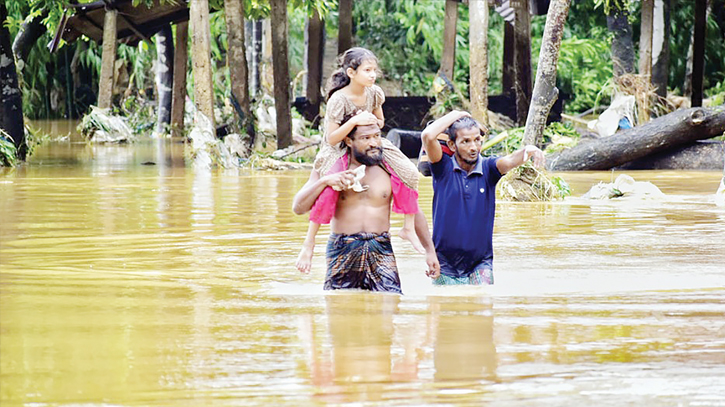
(464, 197)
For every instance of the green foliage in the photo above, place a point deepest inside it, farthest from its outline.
(583, 71)
(556, 137)
(8, 152)
(407, 38)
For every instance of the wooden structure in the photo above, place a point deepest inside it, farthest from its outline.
(135, 23)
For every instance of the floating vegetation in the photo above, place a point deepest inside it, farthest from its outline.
(529, 184)
(101, 126)
(205, 150)
(260, 162)
(623, 186)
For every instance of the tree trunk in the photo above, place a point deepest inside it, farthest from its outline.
(30, 31)
(448, 59)
(256, 55)
(545, 91)
(178, 94)
(237, 62)
(522, 59)
(344, 25)
(661, 46)
(11, 105)
(164, 78)
(478, 39)
(645, 56)
(622, 46)
(201, 57)
(698, 57)
(665, 132)
(509, 62)
(108, 60)
(314, 51)
(278, 15)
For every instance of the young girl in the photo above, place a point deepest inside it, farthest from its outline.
(352, 92)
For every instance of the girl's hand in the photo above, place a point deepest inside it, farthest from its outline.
(365, 119)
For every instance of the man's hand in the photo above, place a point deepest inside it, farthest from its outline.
(340, 181)
(536, 153)
(434, 267)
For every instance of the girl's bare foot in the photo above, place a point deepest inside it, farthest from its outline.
(412, 238)
(304, 259)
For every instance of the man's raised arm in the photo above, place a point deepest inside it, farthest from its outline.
(431, 132)
(306, 197)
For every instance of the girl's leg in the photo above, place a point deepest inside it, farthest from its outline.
(304, 259)
(408, 232)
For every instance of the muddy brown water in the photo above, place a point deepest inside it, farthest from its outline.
(130, 284)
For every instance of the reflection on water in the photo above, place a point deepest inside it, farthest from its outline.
(128, 279)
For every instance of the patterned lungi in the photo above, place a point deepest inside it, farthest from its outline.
(481, 275)
(361, 261)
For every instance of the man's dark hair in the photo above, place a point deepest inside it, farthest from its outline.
(465, 122)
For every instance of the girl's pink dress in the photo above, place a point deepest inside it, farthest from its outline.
(405, 199)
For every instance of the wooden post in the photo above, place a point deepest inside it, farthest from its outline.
(545, 91)
(448, 59)
(344, 25)
(201, 57)
(509, 62)
(11, 103)
(698, 56)
(314, 50)
(108, 59)
(164, 78)
(256, 55)
(278, 16)
(478, 39)
(645, 55)
(661, 46)
(237, 62)
(267, 76)
(178, 94)
(522, 58)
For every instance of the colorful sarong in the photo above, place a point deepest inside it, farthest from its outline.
(481, 275)
(361, 261)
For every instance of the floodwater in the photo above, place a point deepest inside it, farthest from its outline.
(129, 279)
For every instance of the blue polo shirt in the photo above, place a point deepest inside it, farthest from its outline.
(464, 207)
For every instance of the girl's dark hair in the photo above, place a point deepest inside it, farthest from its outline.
(463, 123)
(352, 58)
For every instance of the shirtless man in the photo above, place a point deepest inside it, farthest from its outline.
(359, 252)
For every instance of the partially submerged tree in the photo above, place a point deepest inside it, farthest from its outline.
(11, 106)
(545, 90)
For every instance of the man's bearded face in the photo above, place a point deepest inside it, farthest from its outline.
(370, 156)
